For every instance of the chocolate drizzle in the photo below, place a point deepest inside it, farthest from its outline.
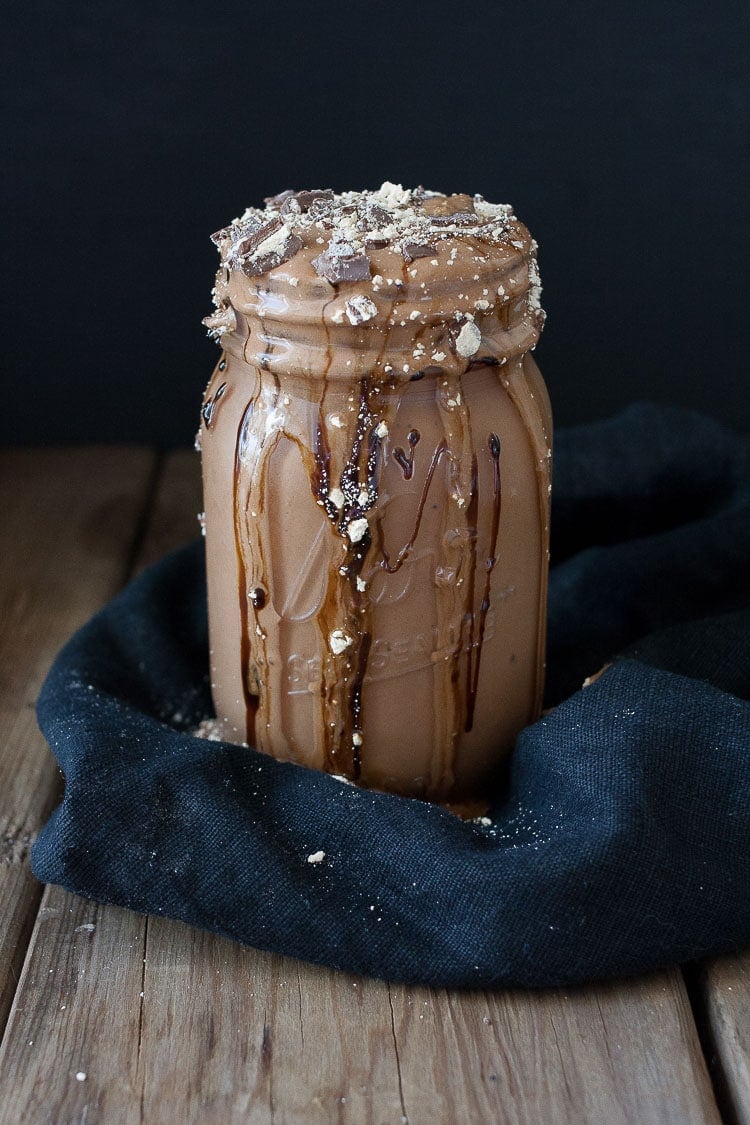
(406, 460)
(209, 406)
(404, 552)
(475, 657)
(346, 611)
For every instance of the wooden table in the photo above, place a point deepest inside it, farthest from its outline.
(112, 1017)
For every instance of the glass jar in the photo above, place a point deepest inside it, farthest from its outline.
(376, 458)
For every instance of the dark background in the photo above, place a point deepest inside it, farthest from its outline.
(619, 132)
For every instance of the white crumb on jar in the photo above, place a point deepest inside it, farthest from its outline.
(336, 420)
(294, 281)
(360, 309)
(339, 641)
(357, 738)
(381, 430)
(361, 584)
(336, 497)
(392, 195)
(438, 356)
(414, 314)
(484, 821)
(363, 498)
(535, 290)
(468, 340)
(481, 304)
(357, 529)
(337, 316)
(316, 857)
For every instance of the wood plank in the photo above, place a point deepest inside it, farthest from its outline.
(232, 1035)
(75, 1018)
(617, 1053)
(69, 520)
(725, 994)
(225, 1034)
(78, 1006)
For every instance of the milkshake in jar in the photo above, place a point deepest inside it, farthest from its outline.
(376, 445)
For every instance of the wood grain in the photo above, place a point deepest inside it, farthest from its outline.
(233, 1035)
(70, 1052)
(725, 993)
(170, 1024)
(79, 1002)
(69, 521)
(616, 1053)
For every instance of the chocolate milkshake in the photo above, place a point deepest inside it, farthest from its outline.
(376, 458)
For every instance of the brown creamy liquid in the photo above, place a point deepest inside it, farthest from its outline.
(377, 528)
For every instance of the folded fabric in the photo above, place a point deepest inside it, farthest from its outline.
(623, 841)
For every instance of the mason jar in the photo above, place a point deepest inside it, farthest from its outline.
(376, 444)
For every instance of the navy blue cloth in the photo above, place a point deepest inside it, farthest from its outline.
(623, 841)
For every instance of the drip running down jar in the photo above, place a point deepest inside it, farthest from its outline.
(376, 460)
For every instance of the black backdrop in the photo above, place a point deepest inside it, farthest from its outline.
(619, 132)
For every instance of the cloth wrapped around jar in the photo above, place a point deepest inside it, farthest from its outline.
(622, 841)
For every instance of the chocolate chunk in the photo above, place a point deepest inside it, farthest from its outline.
(375, 243)
(411, 249)
(317, 201)
(219, 236)
(322, 204)
(336, 267)
(247, 245)
(254, 267)
(277, 200)
(245, 254)
(458, 218)
(378, 215)
(312, 200)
